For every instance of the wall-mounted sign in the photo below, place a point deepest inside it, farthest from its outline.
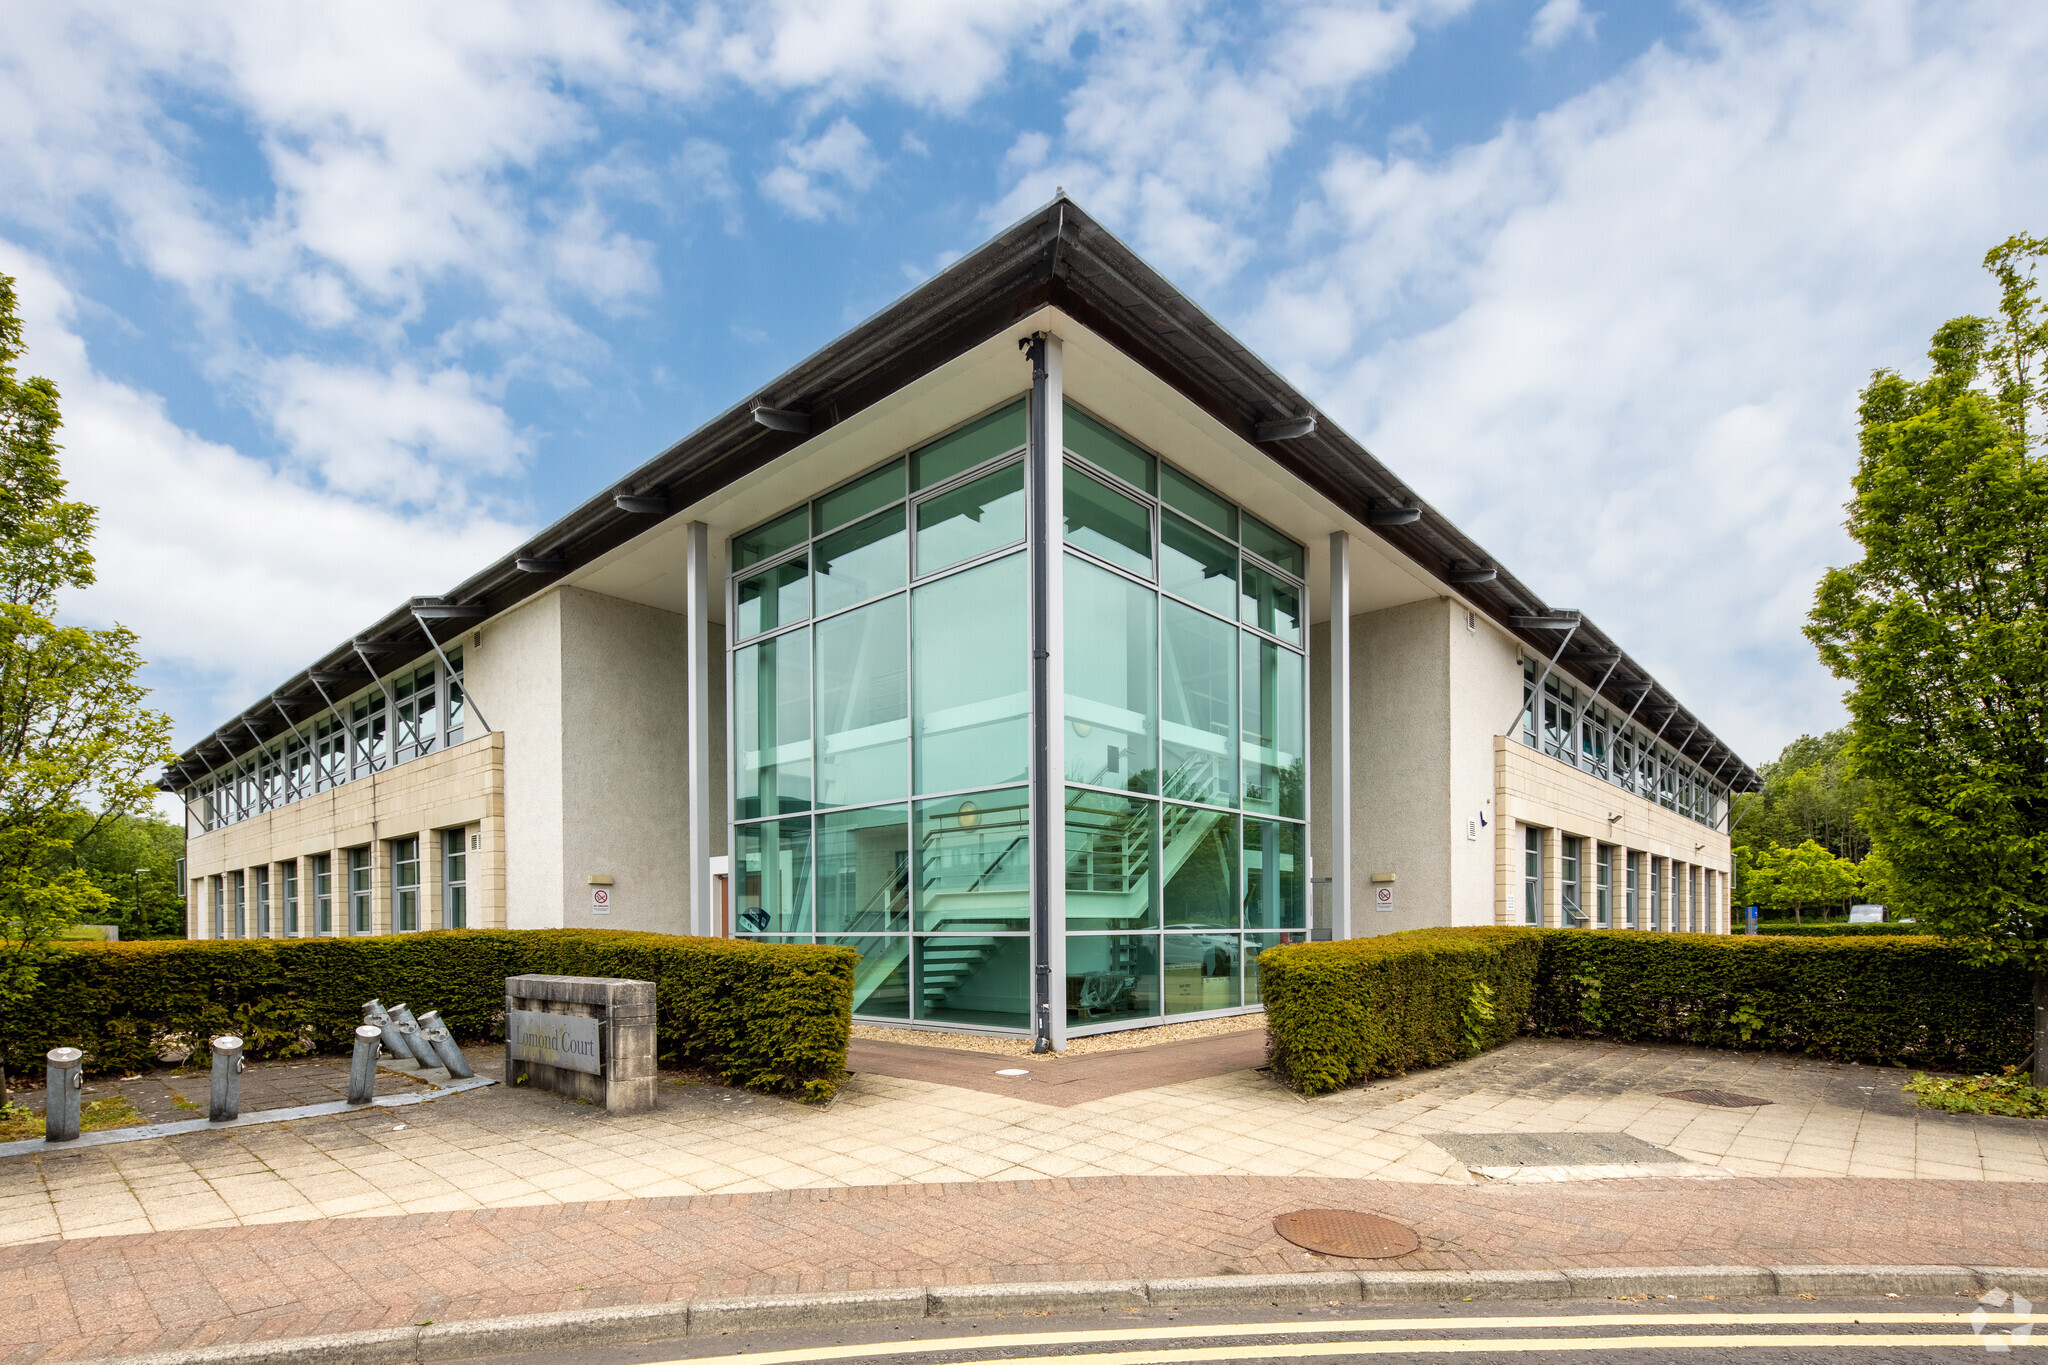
(1383, 898)
(600, 900)
(569, 1041)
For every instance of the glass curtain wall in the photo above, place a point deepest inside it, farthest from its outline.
(879, 674)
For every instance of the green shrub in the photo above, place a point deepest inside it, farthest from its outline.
(1903, 1001)
(2007, 1093)
(1347, 1011)
(1341, 1012)
(1786, 928)
(772, 1017)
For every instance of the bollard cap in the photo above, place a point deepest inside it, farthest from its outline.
(65, 1056)
(227, 1042)
(369, 1033)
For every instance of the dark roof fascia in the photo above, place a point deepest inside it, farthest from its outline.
(1057, 256)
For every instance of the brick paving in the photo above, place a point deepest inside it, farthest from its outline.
(500, 1147)
(930, 1168)
(117, 1295)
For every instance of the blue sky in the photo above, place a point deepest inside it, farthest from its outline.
(347, 300)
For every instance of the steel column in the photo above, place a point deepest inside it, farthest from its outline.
(1340, 734)
(1047, 442)
(697, 720)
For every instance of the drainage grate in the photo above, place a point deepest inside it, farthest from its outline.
(1726, 1099)
(1341, 1232)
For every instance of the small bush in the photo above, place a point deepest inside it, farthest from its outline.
(1343, 1012)
(1347, 1011)
(773, 1017)
(2007, 1093)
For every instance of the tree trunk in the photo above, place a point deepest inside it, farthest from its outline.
(2041, 1028)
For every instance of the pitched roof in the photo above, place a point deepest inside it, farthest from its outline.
(1059, 257)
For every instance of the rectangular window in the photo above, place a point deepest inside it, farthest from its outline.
(359, 890)
(772, 721)
(774, 892)
(863, 688)
(368, 724)
(971, 520)
(1631, 905)
(1560, 720)
(1593, 741)
(1572, 912)
(974, 863)
(1529, 702)
(405, 885)
(1532, 875)
(323, 893)
(263, 902)
(1603, 886)
(1275, 888)
(220, 929)
(1111, 694)
(241, 904)
(290, 878)
(970, 657)
(1273, 739)
(451, 709)
(1693, 899)
(1657, 920)
(454, 879)
(417, 713)
(1199, 654)
(1112, 859)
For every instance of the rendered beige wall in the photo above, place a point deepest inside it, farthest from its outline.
(624, 753)
(513, 667)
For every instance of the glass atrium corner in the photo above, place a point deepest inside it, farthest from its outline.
(886, 748)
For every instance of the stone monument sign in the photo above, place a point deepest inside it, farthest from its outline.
(588, 1037)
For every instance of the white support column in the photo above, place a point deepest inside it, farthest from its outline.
(1048, 693)
(697, 723)
(1340, 734)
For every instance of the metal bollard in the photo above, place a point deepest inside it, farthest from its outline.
(409, 1030)
(66, 1077)
(224, 1102)
(443, 1042)
(362, 1067)
(376, 1015)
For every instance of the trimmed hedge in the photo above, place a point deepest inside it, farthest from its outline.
(769, 1016)
(1340, 1012)
(1786, 928)
(1345, 1011)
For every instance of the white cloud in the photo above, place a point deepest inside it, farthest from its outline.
(1558, 20)
(841, 154)
(1621, 342)
(232, 573)
(1173, 135)
(402, 437)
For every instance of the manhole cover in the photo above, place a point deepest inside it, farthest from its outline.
(1727, 1099)
(1341, 1232)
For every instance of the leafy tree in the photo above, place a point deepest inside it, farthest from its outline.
(134, 859)
(1810, 875)
(1941, 629)
(73, 728)
(1809, 793)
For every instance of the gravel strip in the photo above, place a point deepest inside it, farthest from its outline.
(1078, 1047)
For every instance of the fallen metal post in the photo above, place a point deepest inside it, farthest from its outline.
(409, 1030)
(224, 1102)
(362, 1067)
(66, 1077)
(443, 1042)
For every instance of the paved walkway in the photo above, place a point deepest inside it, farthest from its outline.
(931, 1167)
(117, 1295)
(502, 1147)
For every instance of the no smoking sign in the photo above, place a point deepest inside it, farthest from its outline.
(601, 900)
(1383, 897)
